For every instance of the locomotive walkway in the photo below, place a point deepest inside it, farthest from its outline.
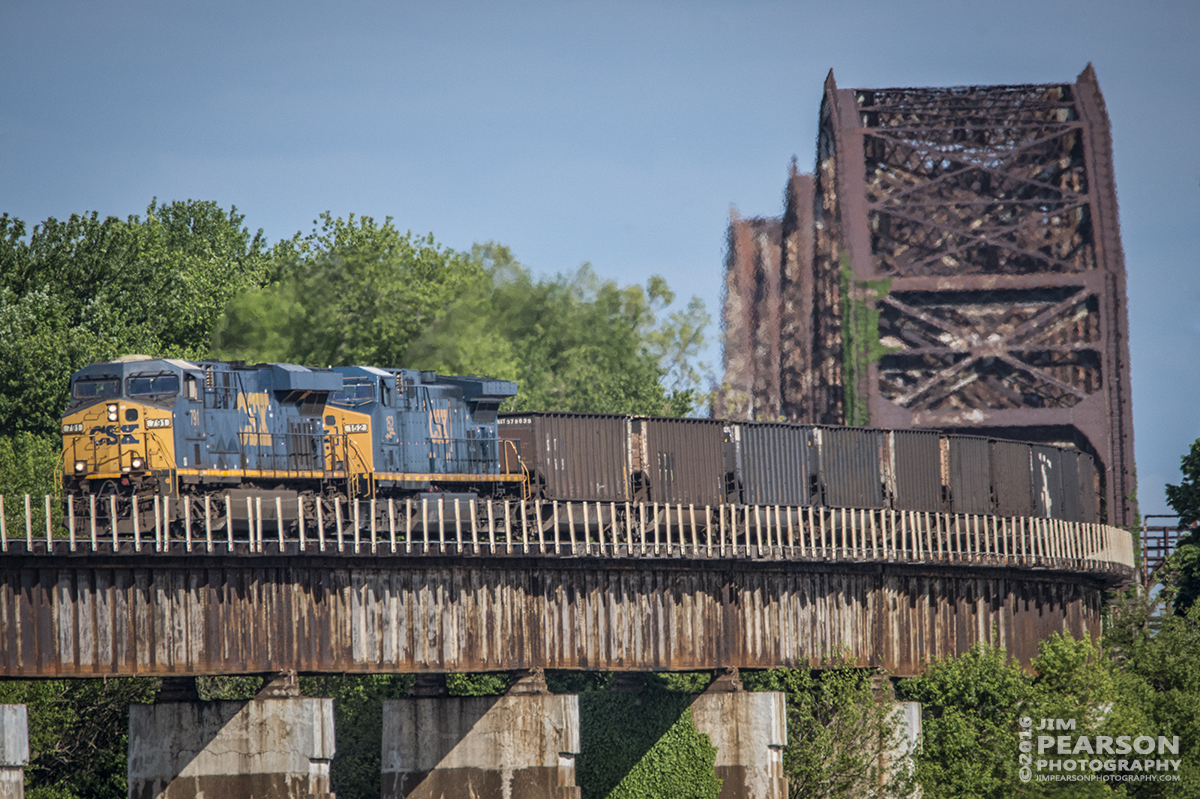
(478, 586)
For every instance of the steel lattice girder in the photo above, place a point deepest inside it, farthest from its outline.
(980, 225)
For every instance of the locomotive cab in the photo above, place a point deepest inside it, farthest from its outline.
(411, 430)
(118, 428)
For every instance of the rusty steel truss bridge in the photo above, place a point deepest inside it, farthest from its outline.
(954, 262)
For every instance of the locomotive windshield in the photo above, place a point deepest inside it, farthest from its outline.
(143, 385)
(91, 389)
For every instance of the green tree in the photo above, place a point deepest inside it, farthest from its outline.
(1157, 653)
(87, 289)
(1183, 565)
(78, 734)
(354, 291)
(969, 715)
(351, 292)
(839, 726)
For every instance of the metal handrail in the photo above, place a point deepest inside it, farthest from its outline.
(583, 529)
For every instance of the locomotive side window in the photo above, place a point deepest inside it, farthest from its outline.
(145, 385)
(190, 387)
(89, 389)
(385, 392)
(355, 391)
(485, 412)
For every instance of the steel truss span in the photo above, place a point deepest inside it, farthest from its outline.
(955, 262)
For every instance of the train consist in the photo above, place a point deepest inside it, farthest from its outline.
(138, 428)
(709, 462)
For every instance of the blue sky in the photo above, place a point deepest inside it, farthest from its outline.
(616, 133)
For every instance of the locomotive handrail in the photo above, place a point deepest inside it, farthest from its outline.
(569, 529)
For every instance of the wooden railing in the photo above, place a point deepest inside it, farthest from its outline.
(563, 529)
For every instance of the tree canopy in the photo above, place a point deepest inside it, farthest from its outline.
(356, 291)
(87, 289)
(1183, 566)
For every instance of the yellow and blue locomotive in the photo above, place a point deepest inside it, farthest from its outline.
(139, 426)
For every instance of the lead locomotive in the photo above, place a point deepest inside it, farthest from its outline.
(141, 426)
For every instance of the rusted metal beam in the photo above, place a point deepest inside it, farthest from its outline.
(211, 614)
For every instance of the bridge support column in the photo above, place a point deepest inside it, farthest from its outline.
(897, 760)
(522, 744)
(275, 746)
(14, 751)
(749, 730)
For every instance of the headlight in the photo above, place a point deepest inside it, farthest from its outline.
(80, 467)
(112, 413)
(137, 463)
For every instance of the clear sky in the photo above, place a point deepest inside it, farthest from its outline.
(615, 133)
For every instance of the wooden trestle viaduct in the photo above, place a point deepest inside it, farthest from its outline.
(418, 587)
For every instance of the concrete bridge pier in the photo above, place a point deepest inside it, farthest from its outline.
(749, 730)
(14, 751)
(276, 746)
(522, 744)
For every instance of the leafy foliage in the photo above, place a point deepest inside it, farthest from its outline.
(28, 465)
(85, 290)
(839, 725)
(1183, 566)
(356, 770)
(78, 734)
(643, 745)
(355, 291)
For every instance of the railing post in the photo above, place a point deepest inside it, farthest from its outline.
(441, 507)
(157, 524)
(337, 518)
(92, 508)
(229, 521)
(492, 526)
(320, 524)
(3, 527)
(71, 517)
(279, 521)
(300, 525)
(208, 541)
(135, 504)
(458, 542)
(425, 524)
(49, 528)
(654, 522)
(357, 523)
(373, 535)
(642, 525)
(256, 529)
(408, 516)
(628, 530)
(187, 521)
(474, 527)
(392, 522)
(112, 518)
(29, 524)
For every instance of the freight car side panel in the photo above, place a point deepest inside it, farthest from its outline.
(778, 463)
(684, 459)
(915, 469)
(1012, 481)
(573, 456)
(970, 475)
(850, 475)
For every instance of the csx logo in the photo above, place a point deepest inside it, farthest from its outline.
(356, 428)
(114, 434)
